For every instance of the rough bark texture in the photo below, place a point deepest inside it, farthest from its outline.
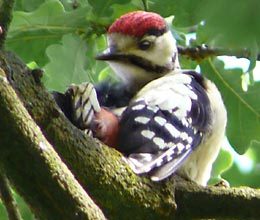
(33, 166)
(99, 169)
(216, 202)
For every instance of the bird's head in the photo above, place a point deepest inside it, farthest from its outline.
(140, 48)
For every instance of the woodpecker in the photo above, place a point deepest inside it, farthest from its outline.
(174, 120)
(175, 123)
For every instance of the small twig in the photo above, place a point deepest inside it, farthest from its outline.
(145, 4)
(202, 52)
(8, 200)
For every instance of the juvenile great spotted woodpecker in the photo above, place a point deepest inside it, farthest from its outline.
(174, 120)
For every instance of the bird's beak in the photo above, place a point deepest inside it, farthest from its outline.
(109, 54)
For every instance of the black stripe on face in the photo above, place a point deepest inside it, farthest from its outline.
(135, 60)
(147, 65)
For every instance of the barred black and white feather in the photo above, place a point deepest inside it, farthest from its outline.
(165, 123)
(84, 105)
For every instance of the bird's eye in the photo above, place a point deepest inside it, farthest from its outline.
(144, 44)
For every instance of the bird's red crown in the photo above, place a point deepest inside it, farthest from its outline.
(138, 23)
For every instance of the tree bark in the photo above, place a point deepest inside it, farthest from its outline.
(33, 166)
(99, 169)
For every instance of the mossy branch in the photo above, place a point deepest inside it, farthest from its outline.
(34, 168)
(100, 170)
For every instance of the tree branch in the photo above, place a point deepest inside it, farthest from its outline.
(34, 167)
(8, 200)
(216, 202)
(203, 52)
(101, 171)
(6, 9)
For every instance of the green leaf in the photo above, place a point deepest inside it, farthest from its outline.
(245, 169)
(3, 212)
(22, 207)
(32, 65)
(123, 9)
(31, 33)
(223, 162)
(67, 64)
(187, 63)
(74, 4)
(183, 10)
(27, 5)
(102, 8)
(231, 24)
(104, 74)
(243, 107)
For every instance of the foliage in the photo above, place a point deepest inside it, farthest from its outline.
(23, 208)
(63, 37)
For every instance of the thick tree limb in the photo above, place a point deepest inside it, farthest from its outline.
(216, 202)
(100, 170)
(35, 168)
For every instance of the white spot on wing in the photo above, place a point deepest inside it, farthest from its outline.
(159, 142)
(148, 134)
(189, 140)
(152, 108)
(180, 147)
(169, 157)
(188, 146)
(142, 119)
(159, 163)
(173, 131)
(184, 122)
(184, 136)
(138, 107)
(171, 145)
(161, 121)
